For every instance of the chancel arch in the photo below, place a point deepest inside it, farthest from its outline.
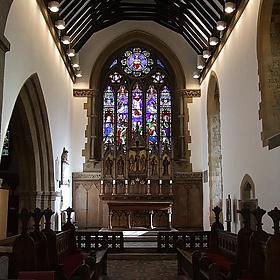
(214, 145)
(181, 135)
(268, 63)
(137, 109)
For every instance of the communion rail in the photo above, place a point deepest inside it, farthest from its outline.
(166, 240)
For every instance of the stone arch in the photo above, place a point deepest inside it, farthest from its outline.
(93, 104)
(30, 127)
(248, 199)
(247, 188)
(269, 74)
(5, 6)
(214, 145)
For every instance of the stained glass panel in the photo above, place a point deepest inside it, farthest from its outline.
(113, 63)
(137, 109)
(108, 116)
(122, 115)
(151, 115)
(158, 78)
(160, 63)
(137, 62)
(137, 98)
(165, 118)
(115, 78)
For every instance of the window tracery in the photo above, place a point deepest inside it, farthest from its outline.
(137, 106)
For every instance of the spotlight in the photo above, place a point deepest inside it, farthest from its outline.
(213, 41)
(206, 54)
(221, 25)
(70, 52)
(196, 75)
(229, 7)
(53, 6)
(60, 24)
(200, 62)
(75, 61)
(65, 40)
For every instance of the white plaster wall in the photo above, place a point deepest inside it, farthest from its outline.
(242, 151)
(33, 51)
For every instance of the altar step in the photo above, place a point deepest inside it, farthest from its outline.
(142, 255)
(140, 240)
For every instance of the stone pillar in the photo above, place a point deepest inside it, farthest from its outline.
(89, 151)
(93, 126)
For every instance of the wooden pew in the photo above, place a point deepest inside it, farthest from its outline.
(64, 258)
(256, 262)
(188, 261)
(227, 256)
(264, 256)
(96, 259)
(24, 248)
(4, 267)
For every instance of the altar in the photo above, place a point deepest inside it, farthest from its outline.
(140, 214)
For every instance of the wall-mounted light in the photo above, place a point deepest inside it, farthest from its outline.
(66, 40)
(229, 7)
(75, 61)
(206, 54)
(221, 25)
(70, 52)
(53, 6)
(200, 62)
(196, 75)
(79, 74)
(60, 24)
(213, 41)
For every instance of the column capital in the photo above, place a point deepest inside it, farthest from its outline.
(189, 92)
(85, 92)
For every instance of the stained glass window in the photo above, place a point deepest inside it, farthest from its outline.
(108, 116)
(137, 110)
(165, 118)
(137, 100)
(151, 115)
(122, 115)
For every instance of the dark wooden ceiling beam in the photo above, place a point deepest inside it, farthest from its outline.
(216, 7)
(199, 12)
(177, 12)
(210, 11)
(79, 25)
(78, 16)
(195, 20)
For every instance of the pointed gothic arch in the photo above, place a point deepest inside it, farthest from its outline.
(92, 147)
(247, 188)
(268, 60)
(214, 145)
(29, 126)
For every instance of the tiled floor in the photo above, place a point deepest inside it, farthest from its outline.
(143, 270)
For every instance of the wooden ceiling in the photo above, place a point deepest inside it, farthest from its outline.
(195, 20)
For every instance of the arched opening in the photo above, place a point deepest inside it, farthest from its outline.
(268, 61)
(92, 150)
(247, 198)
(27, 168)
(168, 178)
(214, 146)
